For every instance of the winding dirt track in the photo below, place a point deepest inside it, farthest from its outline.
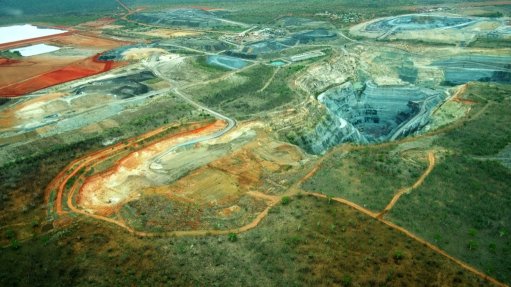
(59, 182)
(87, 162)
(412, 236)
(379, 217)
(269, 80)
(431, 159)
(294, 190)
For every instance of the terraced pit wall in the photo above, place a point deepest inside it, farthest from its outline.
(374, 114)
(462, 69)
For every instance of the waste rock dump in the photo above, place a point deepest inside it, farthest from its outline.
(122, 87)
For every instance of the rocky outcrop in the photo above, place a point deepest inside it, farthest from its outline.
(320, 77)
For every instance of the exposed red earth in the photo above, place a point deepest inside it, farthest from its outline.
(89, 161)
(58, 184)
(93, 185)
(75, 71)
(61, 197)
(6, 62)
(30, 74)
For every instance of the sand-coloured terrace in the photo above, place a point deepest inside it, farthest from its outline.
(132, 173)
(81, 104)
(224, 191)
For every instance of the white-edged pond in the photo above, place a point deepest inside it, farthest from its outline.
(35, 50)
(23, 32)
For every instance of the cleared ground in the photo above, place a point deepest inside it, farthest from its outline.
(219, 197)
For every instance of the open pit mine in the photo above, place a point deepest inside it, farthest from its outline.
(340, 145)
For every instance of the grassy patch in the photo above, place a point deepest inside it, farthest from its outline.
(243, 94)
(202, 64)
(490, 132)
(159, 213)
(369, 177)
(464, 205)
(491, 43)
(154, 213)
(307, 243)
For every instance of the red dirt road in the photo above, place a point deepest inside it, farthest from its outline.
(412, 236)
(57, 185)
(379, 217)
(94, 184)
(93, 158)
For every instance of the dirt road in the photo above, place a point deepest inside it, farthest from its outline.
(431, 159)
(379, 217)
(269, 80)
(87, 162)
(412, 236)
(272, 201)
(57, 185)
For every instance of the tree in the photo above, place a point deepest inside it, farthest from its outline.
(232, 237)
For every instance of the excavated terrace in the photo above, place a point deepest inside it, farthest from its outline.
(373, 114)
(465, 68)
